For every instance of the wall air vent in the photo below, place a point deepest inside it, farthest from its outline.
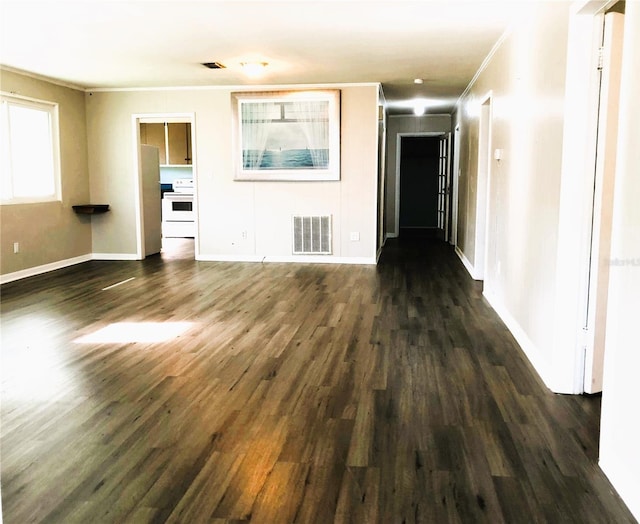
(214, 65)
(312, 235)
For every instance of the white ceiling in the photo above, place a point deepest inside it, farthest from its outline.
(149, 43)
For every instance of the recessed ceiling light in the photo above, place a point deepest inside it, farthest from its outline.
(214, 65)
(418, 81)
(254, 69)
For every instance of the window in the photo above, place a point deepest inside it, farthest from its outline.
(29, 151)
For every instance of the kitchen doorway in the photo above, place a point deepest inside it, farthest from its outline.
(173, 136)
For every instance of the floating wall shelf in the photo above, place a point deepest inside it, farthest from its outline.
(91, 209)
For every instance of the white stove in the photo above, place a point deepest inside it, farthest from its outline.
(178, 217)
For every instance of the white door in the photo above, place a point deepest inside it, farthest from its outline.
(150, 173)
(596, 307)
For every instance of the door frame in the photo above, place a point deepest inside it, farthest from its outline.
(400, 136)
(483, 191)
(597, 280)
(444, 164)
(455, 181)
(566, 369)
(151, 118)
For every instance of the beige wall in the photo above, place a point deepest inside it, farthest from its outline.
(620, 425)
(526, 79)
(50, 232)
(405, 124)
(228, 208)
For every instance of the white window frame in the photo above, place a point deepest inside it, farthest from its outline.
(54, 132)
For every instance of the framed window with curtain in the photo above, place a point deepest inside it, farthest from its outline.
(291, 135)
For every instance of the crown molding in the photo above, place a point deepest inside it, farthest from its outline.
(242, 87)
(42, 78)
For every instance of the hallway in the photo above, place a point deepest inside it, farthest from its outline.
(296, 393)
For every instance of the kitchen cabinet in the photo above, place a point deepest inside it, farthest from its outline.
(179, 143)
(173, 139)
(154, 135)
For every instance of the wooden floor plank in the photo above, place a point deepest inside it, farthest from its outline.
(299, 393)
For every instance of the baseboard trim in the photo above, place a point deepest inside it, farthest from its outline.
(468, 265)
(114, 256)
(625, 484)
(526, 344)
(45, 268)
(311, 259)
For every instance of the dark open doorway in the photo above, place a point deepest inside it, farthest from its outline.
(419, 164)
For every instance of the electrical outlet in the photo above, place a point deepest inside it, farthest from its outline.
(16, 247)
(355, 236)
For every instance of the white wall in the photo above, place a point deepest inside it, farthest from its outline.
(620, 424)
(526, 77)
(237, 220)
(405, 124)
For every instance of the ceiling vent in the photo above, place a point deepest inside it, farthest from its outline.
(214, 65)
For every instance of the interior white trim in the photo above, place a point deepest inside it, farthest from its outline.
(620, 476)
(136, 120)
(299, 259)
(426, 114)
(576, 193)
(467, 264)
(260, 87)
(526, 344)
(114, 256)
(42, 78)
(593, 7)
(45, 268)
(483, 66)
(455, 180)
(483, 191)
(399, 137)
(60, 264)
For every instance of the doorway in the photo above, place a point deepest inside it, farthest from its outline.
(172, 137)
(422, 185)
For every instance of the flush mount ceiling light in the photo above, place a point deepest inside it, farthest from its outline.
(253, 69)
(418, 81)
(419, 107)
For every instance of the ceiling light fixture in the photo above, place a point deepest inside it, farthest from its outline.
(418, 81)
(254, 69)
(419, 108)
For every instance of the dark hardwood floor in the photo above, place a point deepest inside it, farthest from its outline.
(294, 393)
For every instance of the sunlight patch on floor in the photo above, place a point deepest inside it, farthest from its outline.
(124, 332)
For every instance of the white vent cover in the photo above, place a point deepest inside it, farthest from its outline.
(312, 235)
